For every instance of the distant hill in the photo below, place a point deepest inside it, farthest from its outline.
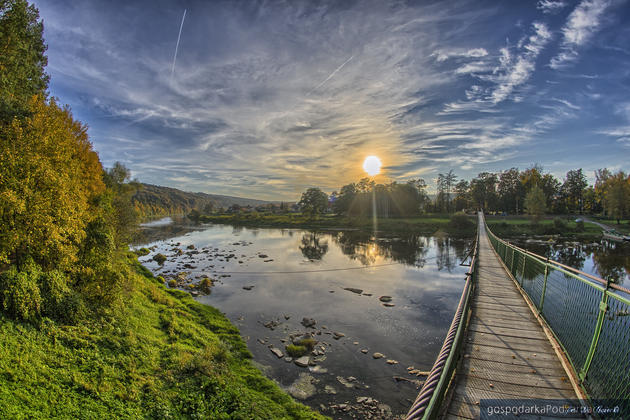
(153, 200)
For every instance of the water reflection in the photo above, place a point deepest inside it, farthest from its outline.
(313, 246)
(410, 249)
(608, 260)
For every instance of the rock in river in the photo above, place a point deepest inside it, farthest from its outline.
(277, 352)
(338, 335)
(303, 387)
(385, 298)
(302, 361)
(308, 322)
(378, 355)
(353, 290)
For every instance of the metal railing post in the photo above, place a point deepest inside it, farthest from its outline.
(523, 269)
(544, 288)
(603, 308)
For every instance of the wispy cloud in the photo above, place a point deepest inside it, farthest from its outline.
(515, 72)
(550, 6)
(580, 27)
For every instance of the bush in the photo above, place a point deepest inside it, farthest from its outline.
(309, 343)
(559, 224)
(54, 290)
(20, 294)
(159, 258)
(294, 350)
(172, 283)
(579, 226)
(142, 252)
(460, 221)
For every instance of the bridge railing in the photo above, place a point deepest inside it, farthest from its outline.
(431, 395)
(589, 316)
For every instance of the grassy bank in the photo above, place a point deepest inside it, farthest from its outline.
(503, 226)
(512, 226)
(424, 225)
(159, 354)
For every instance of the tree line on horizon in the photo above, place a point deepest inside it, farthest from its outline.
(531, 191)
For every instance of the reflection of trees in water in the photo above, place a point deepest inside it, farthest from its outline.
(408, 249)
(313, 247)
(145, 235)
(613, 261)
(449, 252)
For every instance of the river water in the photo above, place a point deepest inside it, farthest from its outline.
(269, 280)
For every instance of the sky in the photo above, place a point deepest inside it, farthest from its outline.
(267, 98)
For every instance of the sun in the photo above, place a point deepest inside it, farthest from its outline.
(372, 165)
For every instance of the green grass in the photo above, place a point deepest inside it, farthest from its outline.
(159, 355)
(426, 225)
(522, 225)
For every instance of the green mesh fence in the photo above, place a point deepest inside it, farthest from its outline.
(589, 317)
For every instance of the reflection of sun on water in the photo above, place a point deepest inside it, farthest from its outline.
(372, 165)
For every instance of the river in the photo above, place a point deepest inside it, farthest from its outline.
(269, 280)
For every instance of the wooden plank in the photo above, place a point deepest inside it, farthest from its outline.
(466, 398)
(507, 366)
(502, 315)
(515, 390)
(492, 321)
(506, 331)
(515, 343)
(464, 410)
(512, 302)
(520, 378)
(483, 351)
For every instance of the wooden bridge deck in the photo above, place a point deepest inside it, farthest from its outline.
(506, 354)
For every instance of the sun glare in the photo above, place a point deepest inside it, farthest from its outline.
(372, 165)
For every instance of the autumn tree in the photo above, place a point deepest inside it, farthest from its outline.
(22, 58)
(617, 195)
(50, 175)
(535, 203)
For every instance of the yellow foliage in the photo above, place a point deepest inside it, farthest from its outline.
(48, 175)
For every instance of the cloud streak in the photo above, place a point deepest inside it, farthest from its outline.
(179, 35)
(581, 26)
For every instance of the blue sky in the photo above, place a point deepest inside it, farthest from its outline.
(268, 98)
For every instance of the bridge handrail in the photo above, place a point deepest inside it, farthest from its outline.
(429, 399)
(588, 316)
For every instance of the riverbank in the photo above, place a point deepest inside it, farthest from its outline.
(513, 226)
(158, 354)
(503, 226)
(422, 225)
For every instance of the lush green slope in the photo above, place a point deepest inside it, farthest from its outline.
(159, 355)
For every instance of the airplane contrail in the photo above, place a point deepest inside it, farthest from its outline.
(177, 45)
(330, 76)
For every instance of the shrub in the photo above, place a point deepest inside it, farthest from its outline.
(205, 285)
(309, 343)
(142, 252)
(20, 294)
(159, 258)
(579, 226)
(559, 224)
(54, 290)
(294, 350)
(172, 283)
(460, 221)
